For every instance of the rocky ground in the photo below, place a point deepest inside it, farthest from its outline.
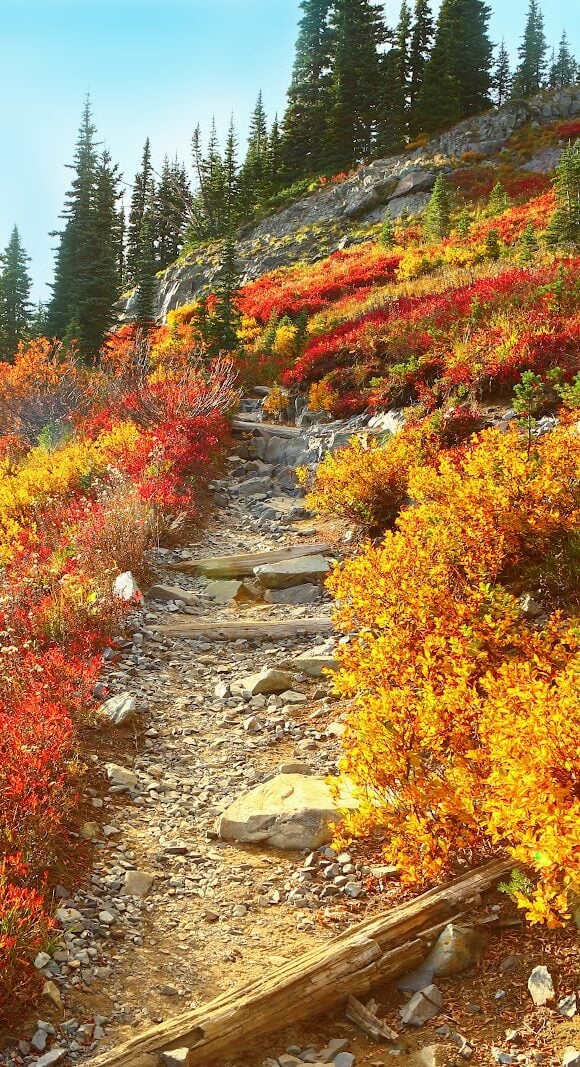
(188, 892)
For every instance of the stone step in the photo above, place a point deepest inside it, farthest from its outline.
(267, 630)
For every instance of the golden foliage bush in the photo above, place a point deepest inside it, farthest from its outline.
(463, 736)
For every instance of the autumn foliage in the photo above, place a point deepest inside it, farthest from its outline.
(463, 736)
(94, 468)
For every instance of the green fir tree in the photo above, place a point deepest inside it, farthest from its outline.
(304, 125)
(438, 212)
(530, 74)
(458, 76)
(15, 305)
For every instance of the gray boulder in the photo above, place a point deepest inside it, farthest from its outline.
(265, 682)
(417, 181)
(424, 1005)
(455, 950)
(297, 594)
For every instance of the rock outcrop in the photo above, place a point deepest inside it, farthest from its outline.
(331, 217)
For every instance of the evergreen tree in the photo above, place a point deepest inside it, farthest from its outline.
(77, 245)
(458, 76)
(15, 306)
(464, 224)
(528, 245)
(530, 74)
(226, 318)
(145, 281)
(563, 66)
(275, 166)
(357, 31)
(502, 78)
(83, 273)
(172, 196)
(143, 192)
(254, 174)
(38, 321)
(564, 225)
(394, 101)
(96, 314)
(304, 122)
(498, 200)
(492, 245)
(231, 179)
(422, 31)
(387, 238)
(438, 213)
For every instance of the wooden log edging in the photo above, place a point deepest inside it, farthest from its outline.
(243, 564)
(370, 954)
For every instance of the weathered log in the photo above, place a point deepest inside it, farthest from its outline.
(367, 1021)
(255, 630)
(370, 954)
(242, 565)
(267, 429)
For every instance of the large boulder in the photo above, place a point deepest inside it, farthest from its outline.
(291, 811)
(291, 572)
(417, 181)
(455, 950)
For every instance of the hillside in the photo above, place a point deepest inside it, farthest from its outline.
(290, 635)
(345, 211)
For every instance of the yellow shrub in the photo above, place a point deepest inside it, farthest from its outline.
(463, 736)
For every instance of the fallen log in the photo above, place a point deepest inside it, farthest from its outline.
(267, 429)
(242, 565)
(275, 629)
(368, 955)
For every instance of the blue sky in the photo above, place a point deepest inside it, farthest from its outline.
(152, 67)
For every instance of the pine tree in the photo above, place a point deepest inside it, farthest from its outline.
(145, 281)
(563, 67)
(254, 176)
(143, 192)
(38, 321)
(226, 318)
(387, 238)
(502, 78)
(393, 118)
(530, 74)
(231, 179)
(172, 196)
(15, 306)
(422, 32)
(77, 245)
(438, 213)
(304, 122)
(458, 76)
(498, 200)
(81, 277)
(96, 310)
(564, 225)
(492, 245)
(528, 245)
(463, 226)
(275, 166)
(357, 31)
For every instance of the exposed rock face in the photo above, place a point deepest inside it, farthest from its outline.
(323, 221)
(291, 811)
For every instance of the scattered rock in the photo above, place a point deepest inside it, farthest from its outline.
(41, 960)
(118, 709)
(568, 1006)
(298, 594)
(316, 662)
(266, 682)
(137, 883)
(436, 1056)
(223, 591)
(121, 777)
(291, 811)
(51, 1058)
(172, 592)
(571, 1057)
(51, 991)
(176, 1058)
(424, 1005)
(541, 986)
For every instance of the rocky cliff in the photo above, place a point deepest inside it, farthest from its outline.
(338, 214)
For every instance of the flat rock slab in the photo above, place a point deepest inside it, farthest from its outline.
(291, 811)
(291, 572)
(171, 592)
